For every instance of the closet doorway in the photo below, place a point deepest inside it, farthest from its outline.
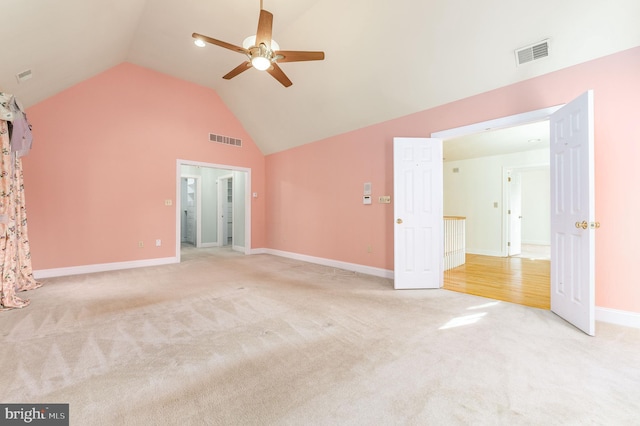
(221, 217)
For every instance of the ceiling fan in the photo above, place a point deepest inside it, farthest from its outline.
(262, 52)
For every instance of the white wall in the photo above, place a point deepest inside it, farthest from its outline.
(476, 193)
(536, 205)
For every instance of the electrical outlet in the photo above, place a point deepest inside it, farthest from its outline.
(384, 199)
(158, 243)
(140, 244)
(369, 248)
(168, 202)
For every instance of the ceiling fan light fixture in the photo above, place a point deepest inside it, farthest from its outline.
(199, 43)
(260, 63)
(262, 52)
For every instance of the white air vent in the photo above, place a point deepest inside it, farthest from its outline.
(24, 76)
(225, 140)
(533, 52)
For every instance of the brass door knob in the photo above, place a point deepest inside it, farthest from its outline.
(399, 221)
(595, 225)
(582, 224)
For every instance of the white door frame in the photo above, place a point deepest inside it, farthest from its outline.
(247, 204)
(498, 123)
(222, 195)
(514, 224)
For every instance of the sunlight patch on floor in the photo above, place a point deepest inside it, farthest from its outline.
(484, 305)
(462, 321)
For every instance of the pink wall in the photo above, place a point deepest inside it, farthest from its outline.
(315, 190)
(104, 161)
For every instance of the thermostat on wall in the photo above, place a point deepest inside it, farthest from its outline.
(366, 199)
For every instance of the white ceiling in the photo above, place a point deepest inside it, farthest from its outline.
(526, 137)
(384, 58)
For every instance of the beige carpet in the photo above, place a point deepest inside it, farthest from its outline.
(227, 339)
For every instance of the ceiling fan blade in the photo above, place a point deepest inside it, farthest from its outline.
(265, 24)
(279, 75)
(220, 43)
(237, 70)
(299, 56)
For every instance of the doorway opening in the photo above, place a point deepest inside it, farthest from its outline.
(526, 218)
(499, 205)
(214, 208)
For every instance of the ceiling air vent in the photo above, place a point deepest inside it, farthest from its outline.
(533, 52)
(225, 140)
(24, 76)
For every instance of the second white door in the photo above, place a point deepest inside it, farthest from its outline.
(418, 210)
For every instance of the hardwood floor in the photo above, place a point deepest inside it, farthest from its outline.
(511, 279)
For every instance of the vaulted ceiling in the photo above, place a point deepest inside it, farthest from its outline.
(384, 58)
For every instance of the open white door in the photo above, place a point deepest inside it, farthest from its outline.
(572, 213)
(418, 208)
(515, 214)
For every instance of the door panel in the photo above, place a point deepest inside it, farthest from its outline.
(418, 228)
(515, 214)
(572, 213)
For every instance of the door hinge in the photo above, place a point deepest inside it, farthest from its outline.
(509, 179)
(508, 211)
(509, 244)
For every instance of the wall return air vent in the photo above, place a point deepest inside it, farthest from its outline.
(532, 52)
(225, 140)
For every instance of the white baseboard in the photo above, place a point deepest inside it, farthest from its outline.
(615, 316)
(484, 252)
(362, 269)
(536, 243)
(101, 267)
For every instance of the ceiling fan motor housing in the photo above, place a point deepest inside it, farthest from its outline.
(260, 56)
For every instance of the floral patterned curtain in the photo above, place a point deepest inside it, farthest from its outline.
(15, 256)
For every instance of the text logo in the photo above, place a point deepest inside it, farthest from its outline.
(34, 414)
